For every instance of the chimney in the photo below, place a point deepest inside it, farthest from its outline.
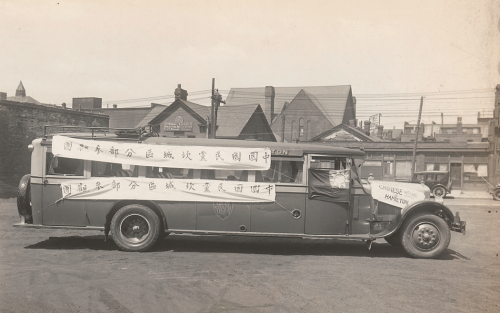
(459, 125)
(63, 105)
(180, 93)
(380, 131)
(115, 106)
(269, 104)
(389, 135)
(3, 96)
(352, 123)
(354, 106)
(367, 127)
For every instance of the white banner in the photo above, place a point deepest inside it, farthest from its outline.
(397, 194)
(193, 190)
(196, 157)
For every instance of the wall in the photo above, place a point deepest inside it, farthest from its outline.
(20, 123)
(186, 118)
(301, 108)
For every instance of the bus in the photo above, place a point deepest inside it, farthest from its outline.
(139, 187)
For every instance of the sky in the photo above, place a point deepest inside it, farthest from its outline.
(133, 53)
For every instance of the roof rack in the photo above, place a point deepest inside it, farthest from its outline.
(139, 133)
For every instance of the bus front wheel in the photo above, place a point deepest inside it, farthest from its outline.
(135, 227)
(425, 236)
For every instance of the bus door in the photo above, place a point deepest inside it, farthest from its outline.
(327, 203)
(54, 211)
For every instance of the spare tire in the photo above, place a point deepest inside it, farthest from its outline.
(24, 197)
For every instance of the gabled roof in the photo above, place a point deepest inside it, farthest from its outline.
(200, 112)
(151, 115)
(357, 133)
(331, 100)
(231, 120)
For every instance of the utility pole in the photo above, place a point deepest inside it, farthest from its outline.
(416, 137)
(216, 101)
(212, 114)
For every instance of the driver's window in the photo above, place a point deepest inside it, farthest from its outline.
(339, 169)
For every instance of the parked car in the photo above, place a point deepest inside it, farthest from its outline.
(439, 182)
(496, 192)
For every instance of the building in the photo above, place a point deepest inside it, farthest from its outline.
(467, 161)
(20, 96)
(299, 113)
(187, 119)
(21, 122)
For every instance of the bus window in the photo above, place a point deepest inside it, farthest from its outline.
(329, 162)
(228, 174)
(283, 170)
(158, 172)
(104, 169)
(63, 166)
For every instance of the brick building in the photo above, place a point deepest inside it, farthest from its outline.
(21, 122)
(187, 119)
(299, 113)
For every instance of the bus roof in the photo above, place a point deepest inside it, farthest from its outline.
(277, 148)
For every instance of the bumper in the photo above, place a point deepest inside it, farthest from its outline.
(458, 227)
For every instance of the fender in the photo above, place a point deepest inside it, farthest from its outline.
(432, 207)
(118, 204)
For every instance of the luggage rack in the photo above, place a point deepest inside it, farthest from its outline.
(126, 133)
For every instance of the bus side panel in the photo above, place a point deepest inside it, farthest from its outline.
(179, 215)
(67, 212)
(96, 211)
(326, 218)
(230, 216)
(277, 217)
(36, 202)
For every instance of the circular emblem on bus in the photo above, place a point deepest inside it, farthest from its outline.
(223, 209)
(179, 119)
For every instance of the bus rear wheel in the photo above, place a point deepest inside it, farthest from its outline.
(425, 236)
(135, 228)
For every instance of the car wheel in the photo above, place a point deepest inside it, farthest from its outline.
(135, 227)
(425, 236)
(439, 192)
(496, 194)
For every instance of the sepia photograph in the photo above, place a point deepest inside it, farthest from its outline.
(249, 156)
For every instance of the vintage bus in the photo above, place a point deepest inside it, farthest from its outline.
(142, 188)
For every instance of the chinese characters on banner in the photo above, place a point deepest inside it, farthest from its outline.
(193, 190)
(196, 157)
(396, 193)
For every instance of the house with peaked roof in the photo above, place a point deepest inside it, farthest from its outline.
(299, 113)
(183, 118)
(346, 133)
